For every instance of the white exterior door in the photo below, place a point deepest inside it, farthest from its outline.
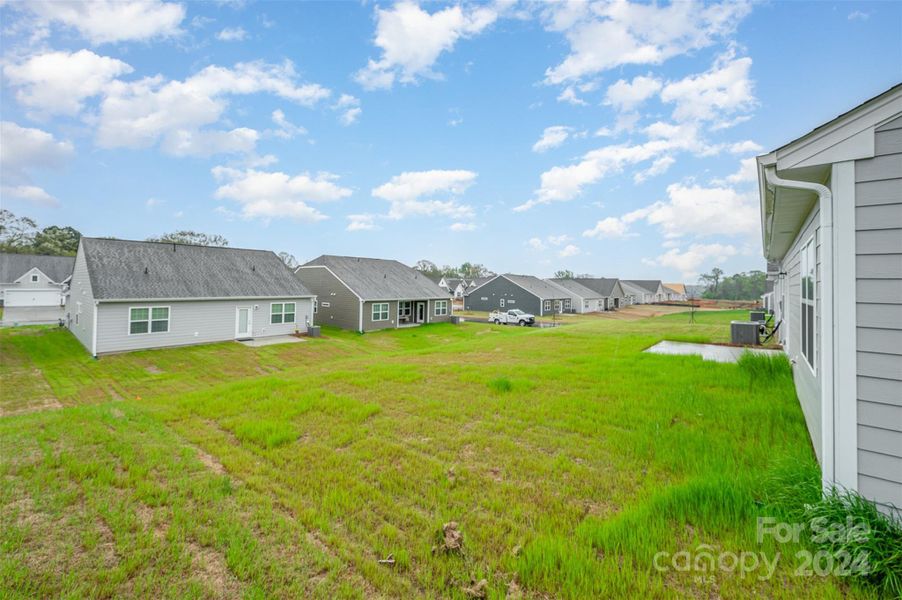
(32, 298)
(421, 312)
(243, 322)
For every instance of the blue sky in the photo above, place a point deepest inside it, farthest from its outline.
(611, 138)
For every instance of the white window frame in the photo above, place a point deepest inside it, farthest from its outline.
(150, 320)
(35, 278)
(546, 305)
(808, 266)
(326, 305)
(315, 306)
(381, 311)
(294, 313)
(441, 308)
(501, 303)
(567, 304)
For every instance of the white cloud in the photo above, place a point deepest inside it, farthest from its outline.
(460, 227)
(412, 39)
(232, 34)
(361, 223)
(552, 137)
(29, 193)
(278, 195)
(411, 193)
(747, 173)
(608, 228)
(557, 241)
(607, 35)
(858, 15)
(206, 143)
(625, 95)
(23, 150)
(349, 106)
(59, 82)
(536, 243)
(138, 114)
(658, 167)
(108, 21)
(286, 129)
(722, 90)
(700, 211)
(568, 94)
(569, 250)
(688, 262)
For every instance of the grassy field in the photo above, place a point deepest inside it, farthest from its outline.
(566, 458)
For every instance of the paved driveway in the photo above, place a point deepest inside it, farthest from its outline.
(32, 315)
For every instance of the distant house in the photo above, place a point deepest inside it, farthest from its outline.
(676, 291)
(33, 286)
(456, 287)
(592, 294)
(529, 294)
(831, 217)
(367, 294)
(127, 295)
(643, 291)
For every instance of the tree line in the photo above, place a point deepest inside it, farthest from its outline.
(749, 285)
(467, 270)
(21, 235)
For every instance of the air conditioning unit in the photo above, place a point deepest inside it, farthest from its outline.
(756, 315)
(745, 333)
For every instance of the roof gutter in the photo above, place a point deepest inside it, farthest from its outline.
(828, 293)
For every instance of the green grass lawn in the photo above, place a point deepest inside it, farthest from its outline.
(566, 457)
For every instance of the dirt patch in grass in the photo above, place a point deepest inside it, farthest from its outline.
(210, 461)
(153, 370)
(210, 568)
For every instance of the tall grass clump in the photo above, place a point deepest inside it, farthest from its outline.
(501, 385)
(768, 368)
(793, 492)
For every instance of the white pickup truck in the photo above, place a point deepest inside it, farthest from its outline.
(513, 317)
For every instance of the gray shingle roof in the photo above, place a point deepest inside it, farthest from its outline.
(537, 287)
(575, 287)
(129, 270)
(601, 285)
(380, 279)
(13, 266)
(650, 285)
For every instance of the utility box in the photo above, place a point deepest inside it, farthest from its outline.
(744, 333)
(313, 331)
(757, 315)
(455, 320)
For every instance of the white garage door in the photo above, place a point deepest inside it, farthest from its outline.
(32, 298)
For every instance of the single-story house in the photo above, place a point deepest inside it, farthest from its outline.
(129, 295)
(675, 291)
(643, 291)
(367, 294)
(609, 288)
(33, 287)
(594, 294)
(529, 294)
(456, 287)
(831, 216)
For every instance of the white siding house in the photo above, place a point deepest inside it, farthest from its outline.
(33, 287)
(831, 209)
(128, 295)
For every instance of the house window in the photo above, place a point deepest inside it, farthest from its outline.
(326, 305)
(145, 319)
(511, 301)
(441, 308)
(280, 312)
(808, 316)
(566, 303)
(34, 278)
(547, 305)
(380, 311)
(501, 302)
(405, 309)
(315, 306)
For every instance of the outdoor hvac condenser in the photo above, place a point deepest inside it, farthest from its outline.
(744, 332)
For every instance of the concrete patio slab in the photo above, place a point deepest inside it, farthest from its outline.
(271, 341)
(724, 354)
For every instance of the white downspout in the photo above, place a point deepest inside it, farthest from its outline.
(94, 331)
(827, 350)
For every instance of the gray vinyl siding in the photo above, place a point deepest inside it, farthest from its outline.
(80, 292)
(878, 237)
(193, 322)
(500, 288)
(433, 318)
(343, 308)
(370, 325)
(808, 384)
